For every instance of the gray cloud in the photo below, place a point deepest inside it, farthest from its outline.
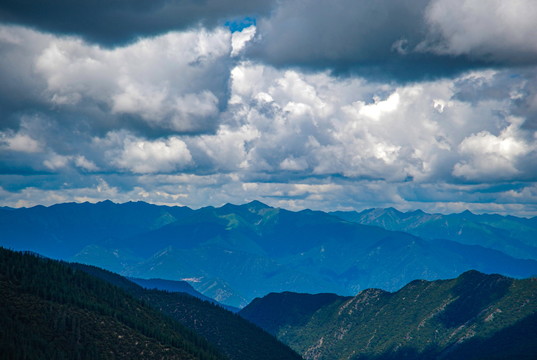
(397, 40)
(118, 22)
(493, 31)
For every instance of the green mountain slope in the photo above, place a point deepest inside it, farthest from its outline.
(49, 310)
(475, 316)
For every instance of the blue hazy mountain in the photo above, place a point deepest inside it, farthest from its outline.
(512, 235)
(238, 252)
(59, 230)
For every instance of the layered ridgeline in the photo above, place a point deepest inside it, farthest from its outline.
(512, 235)
(474, 316)
(178, 287)
(56, 310)
(236, 253)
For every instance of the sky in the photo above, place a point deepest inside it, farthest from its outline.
(329, 105)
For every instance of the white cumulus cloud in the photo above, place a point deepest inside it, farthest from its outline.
(490, 156)
(145, 156)
(175, 81)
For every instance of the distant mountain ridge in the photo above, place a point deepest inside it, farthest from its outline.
(474, 316)
(238, 252)
(514, 236)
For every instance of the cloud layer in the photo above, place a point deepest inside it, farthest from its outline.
(398, 40)
(117, 22)
(347, 104)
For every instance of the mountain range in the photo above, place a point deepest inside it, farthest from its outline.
(474, 316)
(512, 235)
(238, 252)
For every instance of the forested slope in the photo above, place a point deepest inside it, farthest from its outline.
(49, 310)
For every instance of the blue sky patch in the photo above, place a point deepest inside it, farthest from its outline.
(239, 25)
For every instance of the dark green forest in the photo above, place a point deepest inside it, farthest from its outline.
(58, 310)
(49, 310)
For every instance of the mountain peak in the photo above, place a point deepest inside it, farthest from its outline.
(386, 211)
(256, 204)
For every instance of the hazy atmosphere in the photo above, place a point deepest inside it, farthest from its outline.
(330, 105)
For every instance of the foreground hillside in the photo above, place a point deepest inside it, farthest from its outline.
(55, 310)
(474, 316)
(238, 252)
(51, 311)
(229, 333)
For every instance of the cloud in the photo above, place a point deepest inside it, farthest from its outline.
(224, 151)
(378, 108)
(315, 125)
(141, 156)
(85, 164)
(116, 22)
(298, 139)
(493, 157)
(55, 161)
(240, 38)
(175, 82)
(20, 142)
(207, 116)
(341, 35)
(397, 40)
(19, 88)
(495, 31)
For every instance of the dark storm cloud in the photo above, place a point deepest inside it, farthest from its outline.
(391, 40)
(116, 22)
